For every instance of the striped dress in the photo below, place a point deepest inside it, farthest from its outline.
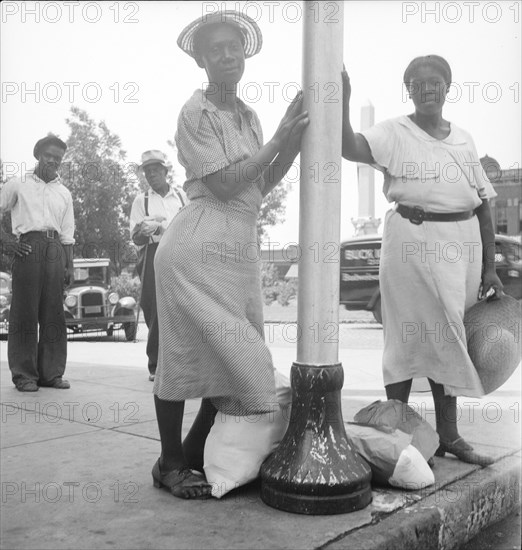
(429, 273)
(210, 307)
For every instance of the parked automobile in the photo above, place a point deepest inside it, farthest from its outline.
(360, 274)
(508, 260)
(5, 302)
(90, 304)
(360, 258)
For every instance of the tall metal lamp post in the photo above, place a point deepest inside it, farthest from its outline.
(315, 469)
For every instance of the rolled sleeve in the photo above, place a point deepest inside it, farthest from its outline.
(67, 228)
(199, 147)
(137, 214)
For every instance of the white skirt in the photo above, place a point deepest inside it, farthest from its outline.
(429, 276)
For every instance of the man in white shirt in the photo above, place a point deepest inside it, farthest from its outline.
(43, 222)
(151, 214)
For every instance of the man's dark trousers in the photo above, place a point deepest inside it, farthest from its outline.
(37, 299)
(148, 305)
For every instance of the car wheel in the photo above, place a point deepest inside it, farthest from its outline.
(377, 313)
(130, 331)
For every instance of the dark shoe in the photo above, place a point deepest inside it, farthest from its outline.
(151, 377)
(182, 483)
(58, 384)
(463, 451)
(26, 385)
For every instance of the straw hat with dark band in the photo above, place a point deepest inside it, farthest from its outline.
(253, 39)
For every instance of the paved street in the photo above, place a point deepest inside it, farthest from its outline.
(73, 459)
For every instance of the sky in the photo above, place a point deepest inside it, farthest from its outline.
(120, 62)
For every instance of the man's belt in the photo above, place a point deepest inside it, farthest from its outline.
(49, 233)
(417, 215)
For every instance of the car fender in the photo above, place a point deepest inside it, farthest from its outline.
(123, 311)
(128, 302)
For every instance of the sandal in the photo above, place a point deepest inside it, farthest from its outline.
(463, 451)
(182, 483)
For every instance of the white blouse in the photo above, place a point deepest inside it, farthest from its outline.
(439, 175)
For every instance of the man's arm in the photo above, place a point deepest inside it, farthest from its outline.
(137, 213)
(67, 239)
(8, 199)
(137, 217)
(69, 264)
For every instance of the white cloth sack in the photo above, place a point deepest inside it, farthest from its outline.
(391, 456)
(400, 416)
(412, 471)
(237, 445)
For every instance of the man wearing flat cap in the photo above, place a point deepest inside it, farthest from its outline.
(43, 224)
(151, 214)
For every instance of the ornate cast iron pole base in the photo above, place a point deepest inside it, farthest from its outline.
(315, 469)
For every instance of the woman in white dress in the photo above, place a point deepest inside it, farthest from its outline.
(437, 249)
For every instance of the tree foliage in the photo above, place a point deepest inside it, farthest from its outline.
(102, 187)
(272, 209)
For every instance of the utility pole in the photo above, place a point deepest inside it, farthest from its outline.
(316, 469)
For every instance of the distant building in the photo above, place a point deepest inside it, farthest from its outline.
(506, 207)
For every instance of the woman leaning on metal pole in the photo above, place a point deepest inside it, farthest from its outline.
(433, 174)
(208, 287)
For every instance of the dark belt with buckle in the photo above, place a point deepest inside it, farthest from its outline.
(417, 215)
(49, 233)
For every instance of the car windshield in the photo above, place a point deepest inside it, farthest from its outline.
(94, 274)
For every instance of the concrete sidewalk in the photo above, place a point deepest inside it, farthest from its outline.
(76, 469)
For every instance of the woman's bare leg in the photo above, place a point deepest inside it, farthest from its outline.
(399, 390)
(445, 412)
(171, 470)
(170, 419)
(194, 442)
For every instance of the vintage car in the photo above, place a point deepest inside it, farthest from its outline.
(90, 304)
(360, 271)
(5, 302)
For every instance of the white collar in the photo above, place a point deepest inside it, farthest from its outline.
(455, 137)
(169, 192)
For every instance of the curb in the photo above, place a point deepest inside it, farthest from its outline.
(445, 519)
(341, 322)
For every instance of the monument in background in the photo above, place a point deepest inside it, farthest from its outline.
(366, 223)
